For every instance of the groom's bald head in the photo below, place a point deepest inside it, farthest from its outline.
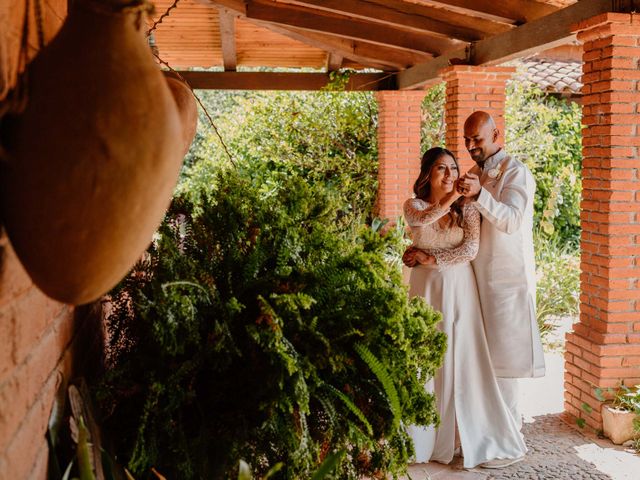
(480, 136)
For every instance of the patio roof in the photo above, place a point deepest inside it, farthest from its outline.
(410, 41)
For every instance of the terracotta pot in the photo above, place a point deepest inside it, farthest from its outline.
(188, 110)
(94, 159)
(618, 424)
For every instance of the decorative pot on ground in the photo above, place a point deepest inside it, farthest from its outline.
(617, 424)
(93, 160)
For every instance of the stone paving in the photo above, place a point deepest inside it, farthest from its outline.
(557, 450)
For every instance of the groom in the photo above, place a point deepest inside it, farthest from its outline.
(502, 189)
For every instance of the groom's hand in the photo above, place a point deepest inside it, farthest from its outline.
(414, 256)
(469, 185)
(410, 256)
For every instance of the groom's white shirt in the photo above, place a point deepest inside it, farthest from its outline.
(505, 267)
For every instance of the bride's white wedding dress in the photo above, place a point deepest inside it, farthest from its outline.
(466, 390)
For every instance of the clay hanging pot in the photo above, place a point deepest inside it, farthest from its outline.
(93, 160)
(188, 110)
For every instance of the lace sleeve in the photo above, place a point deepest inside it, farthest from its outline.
(468, 249)
(418, 212)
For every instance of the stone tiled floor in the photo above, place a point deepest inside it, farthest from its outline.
(557, 449)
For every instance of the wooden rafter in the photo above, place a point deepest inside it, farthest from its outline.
(334, 61)
(515, 11)
(407, 15)
(282, 81)
(227, 21)
(536, 35)
(340, 25)
(367, 54)
(347, 27)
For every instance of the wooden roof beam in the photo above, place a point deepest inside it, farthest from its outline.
(340, 25)
(408, 15)
(367, 54)
(282, 81)
(227, 20)
(334, 61)
(513, 11)
(540, 34)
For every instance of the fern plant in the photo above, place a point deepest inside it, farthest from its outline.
(254, 303)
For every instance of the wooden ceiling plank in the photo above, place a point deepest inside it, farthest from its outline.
(517, 11)
(357, 29)
(227, 21)
(537, 35)
(374, 56)
(396, 13)
(282, 81)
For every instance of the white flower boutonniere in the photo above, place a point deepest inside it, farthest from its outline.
(496, 173)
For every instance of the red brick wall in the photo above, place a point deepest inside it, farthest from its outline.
(399, 118)
(36, 333)
(469, 89)
(605, 345)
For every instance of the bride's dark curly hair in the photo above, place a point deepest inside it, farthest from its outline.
(422, 187)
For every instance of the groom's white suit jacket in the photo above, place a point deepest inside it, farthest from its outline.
(505, 267)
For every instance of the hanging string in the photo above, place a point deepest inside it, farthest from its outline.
(204, 109)
(166, 64)
(162, 17)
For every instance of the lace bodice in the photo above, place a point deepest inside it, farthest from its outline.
(450, 245)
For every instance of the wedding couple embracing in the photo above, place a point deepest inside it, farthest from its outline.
(472, 259)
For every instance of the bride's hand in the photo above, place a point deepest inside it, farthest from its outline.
(451, 197)
(409, 257)
(424, 258)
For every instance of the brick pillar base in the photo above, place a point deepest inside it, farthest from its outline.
(469, 89)
(399, 153)
(604, 348)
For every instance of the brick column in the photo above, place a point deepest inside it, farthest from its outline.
(604, 347)
(399, 117)
(469, 89)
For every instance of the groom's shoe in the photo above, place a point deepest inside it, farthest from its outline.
(501, 462)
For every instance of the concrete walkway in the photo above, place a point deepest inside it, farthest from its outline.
(557, 449)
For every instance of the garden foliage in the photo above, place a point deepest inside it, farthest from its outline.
(327, 138)
(265, 323)
(546, 134)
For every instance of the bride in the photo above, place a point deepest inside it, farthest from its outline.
(445, 239)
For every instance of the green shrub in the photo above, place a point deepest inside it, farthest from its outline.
(326, 137)
(256, 328)
(558, 281)
(546, 134)
(433, 126)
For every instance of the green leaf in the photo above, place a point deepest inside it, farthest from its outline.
(581, 422)
(385, 379)
(598, 394)
(244, 471)
(586, 407)
(328, 465)
(351, 406)
(67, 472)
(273, 470)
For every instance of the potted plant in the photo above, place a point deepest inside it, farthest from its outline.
(621, 415)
